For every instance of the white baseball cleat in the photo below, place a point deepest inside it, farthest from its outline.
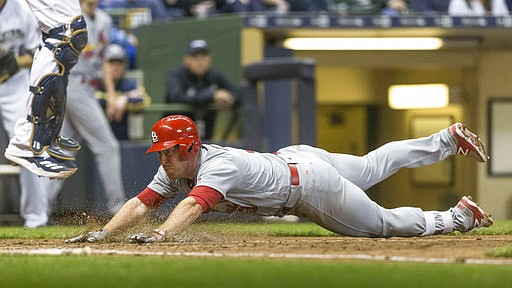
(50, 167)
(468, 216)
(468, 143)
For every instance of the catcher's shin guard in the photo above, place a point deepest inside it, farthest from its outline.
(49, 100)
(48, 107)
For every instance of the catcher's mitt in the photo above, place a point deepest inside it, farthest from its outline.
(8, 65)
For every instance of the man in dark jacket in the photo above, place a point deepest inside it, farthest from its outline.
(197, 84)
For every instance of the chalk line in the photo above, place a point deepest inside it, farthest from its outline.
(91, 251)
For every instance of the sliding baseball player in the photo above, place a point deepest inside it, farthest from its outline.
(327, 188)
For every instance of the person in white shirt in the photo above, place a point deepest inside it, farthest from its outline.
(478, 8)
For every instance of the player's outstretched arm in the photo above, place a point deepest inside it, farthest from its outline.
(185, 213)
(131, 212)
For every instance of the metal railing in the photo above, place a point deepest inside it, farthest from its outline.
(7, 169)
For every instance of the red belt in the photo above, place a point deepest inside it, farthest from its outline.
(295, 174)
(295, 182)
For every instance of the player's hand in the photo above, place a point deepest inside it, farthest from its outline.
(223, 98)
(119, 108)
(114, 109)
(141, 238)
(91, 237)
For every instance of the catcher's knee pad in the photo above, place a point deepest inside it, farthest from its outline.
(48, 107)
(78, 39)
(67, 51)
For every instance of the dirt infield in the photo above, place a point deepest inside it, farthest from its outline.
(450, 248)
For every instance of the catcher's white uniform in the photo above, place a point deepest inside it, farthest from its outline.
(54, 13)
(50, 14)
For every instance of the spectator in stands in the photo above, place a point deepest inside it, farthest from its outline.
(358, 7)
(308, 5)
(429, 6)
(277, 6)
(204, 8)
(130, 96)
(478, 8)
(394, 7)
(284, 6)
(197, 84)
(201, 8)
(158, 10)
(129, 41)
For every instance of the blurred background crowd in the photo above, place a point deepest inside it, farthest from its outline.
(172, 9)
(169, 10)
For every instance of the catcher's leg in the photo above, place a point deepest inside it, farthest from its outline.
(49, 94)
(36, 144)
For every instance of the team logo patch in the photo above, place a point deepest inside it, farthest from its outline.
(154, 137)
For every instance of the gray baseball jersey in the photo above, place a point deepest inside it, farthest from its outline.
(329, 191)
(261, 187)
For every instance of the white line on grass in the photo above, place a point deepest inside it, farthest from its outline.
(89, 251)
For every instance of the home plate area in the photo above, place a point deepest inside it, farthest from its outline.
(468, 249)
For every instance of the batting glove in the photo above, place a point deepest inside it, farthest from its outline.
(141, 238)
(91, 237)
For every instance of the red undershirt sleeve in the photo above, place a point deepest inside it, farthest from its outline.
(205, 196)
(150, 198)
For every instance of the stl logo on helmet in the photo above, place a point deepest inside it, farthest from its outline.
(154, 137)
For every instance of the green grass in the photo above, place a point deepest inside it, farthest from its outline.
(498, 228)
(50, 232)
(154, 271)
(503, 252)
(302, 229)
(254, 229)
(76, 271)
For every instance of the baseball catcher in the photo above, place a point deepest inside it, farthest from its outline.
(36, 144)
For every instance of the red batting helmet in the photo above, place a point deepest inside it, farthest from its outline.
(175, 130)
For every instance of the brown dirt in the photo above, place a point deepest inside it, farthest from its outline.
(451, 247)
